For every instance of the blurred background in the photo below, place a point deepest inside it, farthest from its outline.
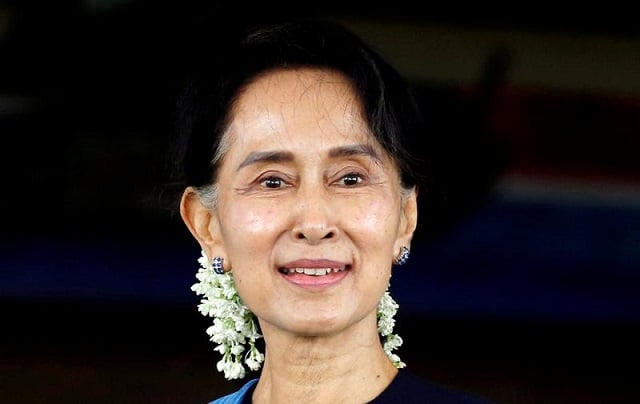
(523, 285)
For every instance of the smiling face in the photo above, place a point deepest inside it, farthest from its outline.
(310, 213)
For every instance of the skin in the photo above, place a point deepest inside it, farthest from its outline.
(304, 185)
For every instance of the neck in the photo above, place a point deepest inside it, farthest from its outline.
(350, 366)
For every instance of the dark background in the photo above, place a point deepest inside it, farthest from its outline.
(522, 286)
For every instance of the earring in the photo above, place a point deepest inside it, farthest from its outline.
(234, 325)
(403, 257)
(216, 264)
(234, 329)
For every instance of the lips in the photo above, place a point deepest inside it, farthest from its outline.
(312, 271)
(313, 267)
(315, 274)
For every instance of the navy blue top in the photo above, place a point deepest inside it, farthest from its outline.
(406, 388)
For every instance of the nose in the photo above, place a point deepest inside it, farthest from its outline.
(315, 220)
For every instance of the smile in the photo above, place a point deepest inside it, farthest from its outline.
(311, 271)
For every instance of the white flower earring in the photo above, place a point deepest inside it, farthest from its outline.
(234, 325)
(233, 322)
(387, 309)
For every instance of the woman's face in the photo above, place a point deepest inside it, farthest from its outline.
(310, 214)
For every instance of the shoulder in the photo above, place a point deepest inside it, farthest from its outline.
(409, 388)
(238, 396)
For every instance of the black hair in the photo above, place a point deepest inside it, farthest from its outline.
(390, 107)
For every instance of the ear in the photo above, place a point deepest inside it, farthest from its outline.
(408, 221)
(201, 222)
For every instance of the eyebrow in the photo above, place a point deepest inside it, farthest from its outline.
(354, 150)
(265, 157)
(282, 156)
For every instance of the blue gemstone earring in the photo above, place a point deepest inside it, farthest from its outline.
(403, 257)
(216, 264)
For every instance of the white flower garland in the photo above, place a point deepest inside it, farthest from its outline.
(387, 309)
(234, 324)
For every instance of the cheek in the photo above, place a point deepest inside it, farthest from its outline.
(246, 221)
(374, 218)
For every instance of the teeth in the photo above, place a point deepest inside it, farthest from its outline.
(314, 271)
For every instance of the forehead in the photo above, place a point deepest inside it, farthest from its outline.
(302, 80)
(299, 114)
(305, 99)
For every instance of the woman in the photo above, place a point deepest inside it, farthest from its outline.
(301, 191)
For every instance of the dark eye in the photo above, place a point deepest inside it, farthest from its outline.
(272, 182)
(350, 180)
